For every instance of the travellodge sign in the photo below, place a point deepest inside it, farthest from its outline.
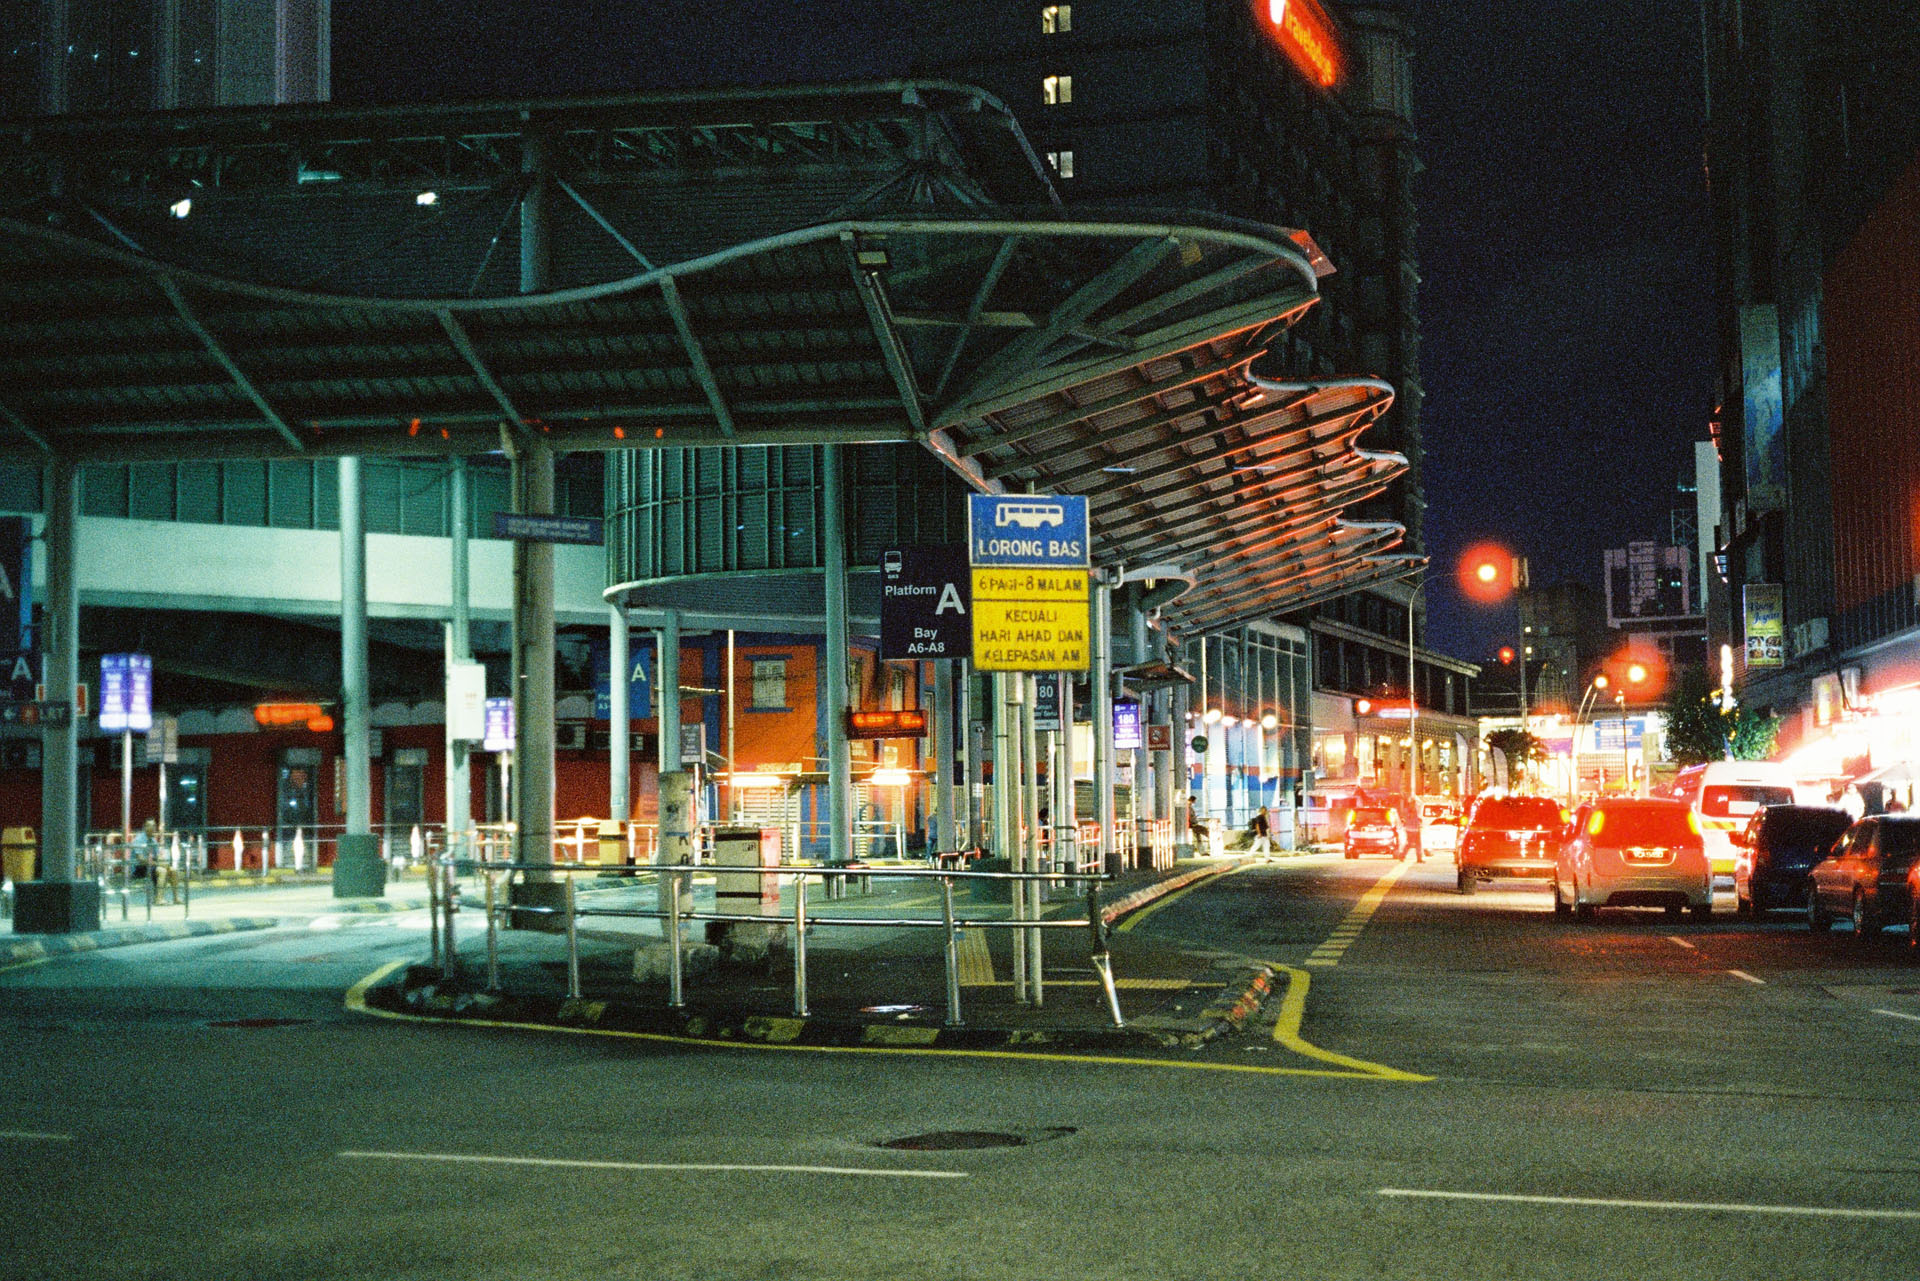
(1029, 560)
(1308, 37)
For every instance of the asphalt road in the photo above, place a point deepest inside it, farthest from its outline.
(1474, 1089)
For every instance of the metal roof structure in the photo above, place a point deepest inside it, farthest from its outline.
(845, 263)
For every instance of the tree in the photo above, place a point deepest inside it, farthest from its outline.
(1696, 731)
(1699, 730)
(1519, 747)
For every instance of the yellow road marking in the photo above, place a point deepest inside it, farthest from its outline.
(1334, 946)
(1127, 925)
(1286, 1031)
(22, 965)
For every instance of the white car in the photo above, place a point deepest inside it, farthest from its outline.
(1633, 853)
(1439, 825)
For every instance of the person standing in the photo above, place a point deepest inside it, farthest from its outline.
(1261, 829)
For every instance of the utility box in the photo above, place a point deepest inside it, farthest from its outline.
(20, 852)
(613, 842)
(749, 893)
(679, 836)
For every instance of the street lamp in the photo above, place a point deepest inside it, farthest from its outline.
(1413, 703)
(1598, 683)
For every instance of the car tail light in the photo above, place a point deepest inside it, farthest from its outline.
(1693, 823)
(1596, 822)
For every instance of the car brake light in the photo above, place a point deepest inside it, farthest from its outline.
(1693, 823)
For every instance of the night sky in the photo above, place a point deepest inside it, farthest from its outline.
(1565, 307)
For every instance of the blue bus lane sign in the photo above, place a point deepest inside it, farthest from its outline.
(1030, 562)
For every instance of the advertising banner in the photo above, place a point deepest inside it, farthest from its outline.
(1765, 625)
(1761, 412)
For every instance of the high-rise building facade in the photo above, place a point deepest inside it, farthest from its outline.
(1813, 134)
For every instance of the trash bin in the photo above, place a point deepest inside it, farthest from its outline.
(20, 852)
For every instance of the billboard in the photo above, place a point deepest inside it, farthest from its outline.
(1765, 625)
(1762, 437)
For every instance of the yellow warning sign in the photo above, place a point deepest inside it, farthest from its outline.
(1030, 620)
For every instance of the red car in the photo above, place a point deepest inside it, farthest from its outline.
(1510, 836)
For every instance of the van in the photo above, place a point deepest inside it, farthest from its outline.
(1724, 795)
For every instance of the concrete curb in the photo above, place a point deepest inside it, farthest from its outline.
(418, 991)
(45, 945)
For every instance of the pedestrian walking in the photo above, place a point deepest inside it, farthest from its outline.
(1260, 828)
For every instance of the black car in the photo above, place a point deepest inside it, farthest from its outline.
(1776, 851)
(1867, 876)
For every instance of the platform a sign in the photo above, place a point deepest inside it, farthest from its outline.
(925, 603)
(1030, 561)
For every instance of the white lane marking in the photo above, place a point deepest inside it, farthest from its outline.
(1675, 938)
(35, 1136)
(1742, 974)
(551, 1162)
(1804, 1211)
(1896, 1014)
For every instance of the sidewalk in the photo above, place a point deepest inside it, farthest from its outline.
(219, 904)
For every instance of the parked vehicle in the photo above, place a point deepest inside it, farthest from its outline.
(1439, 824)
(1868, 877)
(1374, 830)
(1776, 851)
(1509, 836)
(1726, 794)
(1633, 852)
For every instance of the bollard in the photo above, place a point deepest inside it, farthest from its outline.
(675, 997)
(800, 943)
(952, 951)
(433, 919)
(1102, 958)
(493, 939)
(573, 946)
(451, 900)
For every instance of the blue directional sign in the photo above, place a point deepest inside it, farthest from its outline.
(639, 682)
(126, 692)
(1126, 725)
(1028, 531)
(497, 736)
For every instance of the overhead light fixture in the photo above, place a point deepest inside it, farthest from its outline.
(181, 207)
(1212, 716)
(1269, 721)
(427, 198)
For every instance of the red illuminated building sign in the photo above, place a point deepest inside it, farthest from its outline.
(909, 723)
(1308, 38)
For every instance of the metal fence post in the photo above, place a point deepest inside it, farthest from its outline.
(433, 917)
(952, 951)
(573, 946)
(1102, 959)
(800, 944)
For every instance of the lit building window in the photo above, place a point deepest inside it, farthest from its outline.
(769, 685)
(1062, 162)
(1056, 19)
(1056, 90)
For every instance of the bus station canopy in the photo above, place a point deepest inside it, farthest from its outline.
(882, 262)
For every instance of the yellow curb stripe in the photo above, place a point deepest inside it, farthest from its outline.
(356, 1000)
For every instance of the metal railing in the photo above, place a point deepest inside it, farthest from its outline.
(444, 901)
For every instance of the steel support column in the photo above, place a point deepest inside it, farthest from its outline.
(946, 728)
(57, 903)
(833, 537)
(1102, 713)
(459, 650)
(619, 714)
(359, 871)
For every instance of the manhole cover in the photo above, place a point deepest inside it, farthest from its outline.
(961, 1140)
(257, 1022)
